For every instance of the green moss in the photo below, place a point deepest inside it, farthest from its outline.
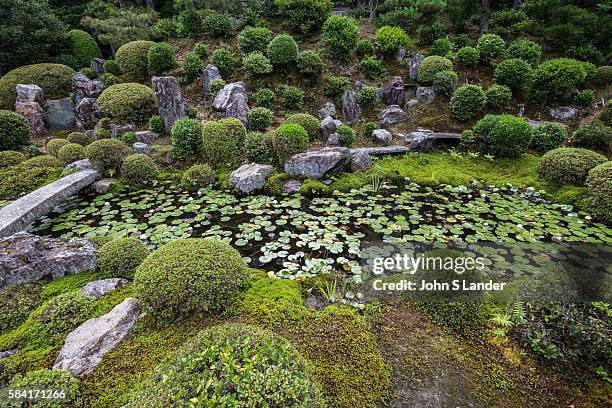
(16, 303)
(312, 187)
(69, 283)
(275, 183)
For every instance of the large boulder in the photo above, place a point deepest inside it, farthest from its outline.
(227, 95)
(34, 116)
(83, 87)
(141, 148)
(328, 127)
(391, 115)
(382, 137)
(393, 92)
(146, 136)
(329, 109)
(88, 113)
(319, 162)
(210, 74)
(103, 286)
(414, 63)
(564, 113)
(350, 107)
(425, 94)
(60, 114)
(421, 141)
(360, 161)
(84, 347)
(25, 257)
(170, 102)
(239, 108)
(30, 93)
(250, 177)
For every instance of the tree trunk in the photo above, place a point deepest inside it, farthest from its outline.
(484, 16)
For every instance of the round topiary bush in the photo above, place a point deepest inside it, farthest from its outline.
(502, 135)
(514, 73)
(467, 101)
(198, 176)
(364, 47)
(259, 147)
(340, 34)
(224, 59)
(260, 118)
(526, 50)
(160, 58)
(498, 97)
(83, 47)
(10, 158)
(265, 97)
(54, 79)
(293, 97)
(256, 65)
(107, 153)
(111, 67)
(336, 85)
(54, 145)
(310, 65)
(445, 82)
(490, 46)
(603, 76)
(278, 376)
(567, 165)
(120, 257)
(139, 169)
(555, 79)
(217, 24)
(67, 386)
(157, 124)
(80, 138)
(109, 80)
(468, 56)
(548, 136)
(46, 160)
(440, 47)
(282, 50)
(192, 67)
(308, 122)
(431, 66)
(304, 15)
(221, 142)
(390, 39)
(14, 131)
(65, 312)
(599, 182)
(188, 276)
(128, 103)
(592, 137)
(252, 39)
(367, 96)
(133, 58)
(372, 67)
(346, 135)
(289, 139)
(70, 153)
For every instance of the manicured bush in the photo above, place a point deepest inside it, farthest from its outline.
(222, 141)
(160, 58)
(166, 28)
(80, 138)
(304, 15)
(603, 76)
(190, 23)
(548, 136)
(259, 147)
(88, 72)
(282, 50)
(498, 97)
(336, 85)
(224, 59)
(372, 67)
(502, 135)
(54, 145)
(71, 153)
(252, 39)
(367, 96)
(16, 304)
(128, 103)
(109, 79)
(157, 124)
(467, 101)
(65, 312)
(265, 97)
(310, 65)
(592, 137)
(198, 176)
(260, 118)
(368, 128)
(217, 24)
(526, 50)
(390, 39)
(289, 139)
(346, 135)
(14, 131)
(278, 376)
(54, 79)
(490, 46)
(215, 87)
(192, 67)
(83, 47)
(308, 122)
(111, 67)
(440, 47)
(340, 34)
(364, 47)
(10, 158)
(567, 165)
(189, 276)
(107, 153)
(139, 169)
(555, 79)
(186, 137)
(201, 50)
(599, 182)
(468, 56)
(585, 98)
(120, 257)
(42, 161)
(293, 97)
(431, 66)
(256, 64)
(132, 58)
(514, 73)
(45, 379)
(445, 82)
(129, 138)
(427, 34)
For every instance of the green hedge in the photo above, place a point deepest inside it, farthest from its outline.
(222, 141)
(139, 170)
(132, 58)
(289, 139)
(54, 79)
(107, 153)
(431, 66)
(502, 135)
(129, 103)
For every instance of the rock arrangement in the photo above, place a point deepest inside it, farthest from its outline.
(169, 98)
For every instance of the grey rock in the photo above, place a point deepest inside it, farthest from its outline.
(421, 141)
(409, 92)
(393, 92)
(250, 177)
(141, 148)
(88, 113)
(564, 113)
(319, 162)
(400, 54)
(414, 63)
(34, 116)
(60, 114)
(329, 109)
(333, 140)
(83, 87)
(292, 186)
(84, 348)
(327, 127)
(239, 108)
(210, 74)
(101, 287)
(350, 107)
(30, 93)
(315, 303)
(146, 136)
(90, 133)
(97, 65)
(79, 165)
(425, 94)
(25, 257)
(359, 85)
(391, 115)
(412, 103)
(382, 137)
(340, 11)
(102, 186)
(118, 130)
(8, 353)
(360, 161)
(380, 150)
(227, 94)
(170, 102)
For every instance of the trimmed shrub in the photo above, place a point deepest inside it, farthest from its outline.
(390, 39)
(310, 65)
(197, 177)
(304, 15)
(256, 64)
(526, 50)
(157, 124)
(260, 118)
(599, 182)
(468, 56)
(467, 101)
(514, 73)
(224, 59)
(308, 122)
(440, 47)
(71, 153)
(427, 34)
(160, 58)
(490, 46)
(502, 135)
(65, 312)
(222, 141)
(29, 175)
(54, 145)
(139, 169)
(111, 67)
(340, 34)
(83, 47)
(548, 136)
(201, 50)
(192, 67)
(10, 158)
(431, 66)
(282, 50)
(14, 131)
(265, 97)
(252, 39)
(42, 161)
(129, 138)
(133, 58)
(364, 47)
(120, 257)
(278, 376)
(603, 76)
(367, 96)
(54, 79)
(186, 137)
(215, 87)
(445, 82)
(217, 24)
(189, 276)
(80, 138)
(128, 103)
(585, 98)
(346, 136)
(555, 79)
(498, 97)
(289, 139)
(190, 23)
(372, 67)
(336, 85)
(166, 28)
(592, 137)
(107, 153)
(16, 303)
(293, 97)
(46, 379)
(567, 165)
(109, 79)
(88, 72)
(259, 147)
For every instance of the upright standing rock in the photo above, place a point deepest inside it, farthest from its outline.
(329, 109)
(97, 65)
(83, 87)
(170, 101)
(88, 113)
(328, 127)
(34, 116)
(414, 63)
(227, 95)
(30, 93)
(393, 93)
(210, 74)
(350, 107)
(60, 114)
(239, 109)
